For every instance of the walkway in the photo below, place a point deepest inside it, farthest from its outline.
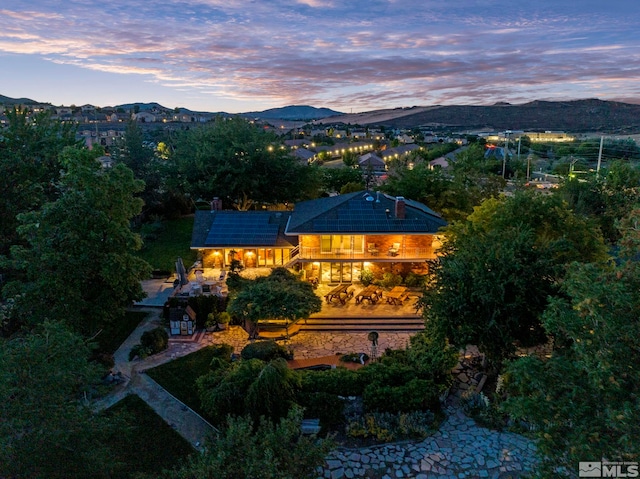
(460, 449)
(184, 420)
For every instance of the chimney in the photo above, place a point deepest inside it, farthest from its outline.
(400, 207)
(216, 204)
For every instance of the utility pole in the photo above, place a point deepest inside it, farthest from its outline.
(504, 153)
(599, 157)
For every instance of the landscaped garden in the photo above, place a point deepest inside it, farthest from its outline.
(397, 397)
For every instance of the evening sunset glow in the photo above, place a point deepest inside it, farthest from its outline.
(234, 55)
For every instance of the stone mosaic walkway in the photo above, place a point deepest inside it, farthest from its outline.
(460, 449)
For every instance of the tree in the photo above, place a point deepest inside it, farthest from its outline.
(498, 269)
(239, 161)
(583, 401)
(280, 296)
(263, 450)
(79, 260)
(29, 166)
(334, 179)
(141, 159)
(249, 386)
(47, 430)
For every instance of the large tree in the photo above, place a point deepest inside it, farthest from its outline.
(584, 400)
(79, 260)
(499, 267)
(29, 166)
(47, 430)
(281, 296)
(241, 162)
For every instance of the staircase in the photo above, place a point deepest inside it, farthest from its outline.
(363, 324)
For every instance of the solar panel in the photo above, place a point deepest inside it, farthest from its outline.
(242, 230)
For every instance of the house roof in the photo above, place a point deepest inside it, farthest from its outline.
(362, 212)
(218, 229)
(371, 159)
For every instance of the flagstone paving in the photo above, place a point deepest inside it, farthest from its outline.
(459, 449)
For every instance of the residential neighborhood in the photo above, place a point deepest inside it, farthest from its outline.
(393, 302)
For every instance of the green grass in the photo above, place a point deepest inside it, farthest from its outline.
(150, 445)
(179, 376)
(173, 240)
(114, 334)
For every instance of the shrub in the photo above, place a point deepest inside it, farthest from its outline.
(324, 406)
(387, 427)
(140, 351)
(413, 280)
(414, 395)
(265, 351)
(203, 305)
(222, 351)
(155, 340)
(366, 277)
(389, 280)
(338, 381)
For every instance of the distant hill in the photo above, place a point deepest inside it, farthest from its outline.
(5, 100)
(573, 116)
(294, 112)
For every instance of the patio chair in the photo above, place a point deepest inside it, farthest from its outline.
(394, 249)
(371, 249)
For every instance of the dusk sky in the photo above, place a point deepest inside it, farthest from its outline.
(349, 55)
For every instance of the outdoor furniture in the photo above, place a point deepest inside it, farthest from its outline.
(372, 250)
(340, 293)
(394, 249)
(397, 295)
(370, 293)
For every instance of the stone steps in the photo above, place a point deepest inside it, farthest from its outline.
(363, 324)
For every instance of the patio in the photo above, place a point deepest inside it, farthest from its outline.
(159, 290)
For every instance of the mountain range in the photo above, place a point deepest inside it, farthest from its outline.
(590, 115)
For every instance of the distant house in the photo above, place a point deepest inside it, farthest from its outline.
(372, 162)
(398, 151)
(144, 117)
(439, 163)
(303, 155)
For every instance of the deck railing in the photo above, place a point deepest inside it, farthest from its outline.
(404, 253)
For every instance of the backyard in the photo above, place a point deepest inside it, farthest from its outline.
(164, 241)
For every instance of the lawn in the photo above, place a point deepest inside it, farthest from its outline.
(179, 376)
(151, 445)
(114, 334)
(166, 241)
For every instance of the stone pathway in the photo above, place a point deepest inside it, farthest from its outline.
(183, 419)
(460, 449)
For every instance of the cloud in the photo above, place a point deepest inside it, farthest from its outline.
(358, 53)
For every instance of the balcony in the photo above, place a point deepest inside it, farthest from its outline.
(403, 254)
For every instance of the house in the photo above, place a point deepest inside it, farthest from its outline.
(372, 162)
(331, 239)
(341, 236)
(255, 238)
